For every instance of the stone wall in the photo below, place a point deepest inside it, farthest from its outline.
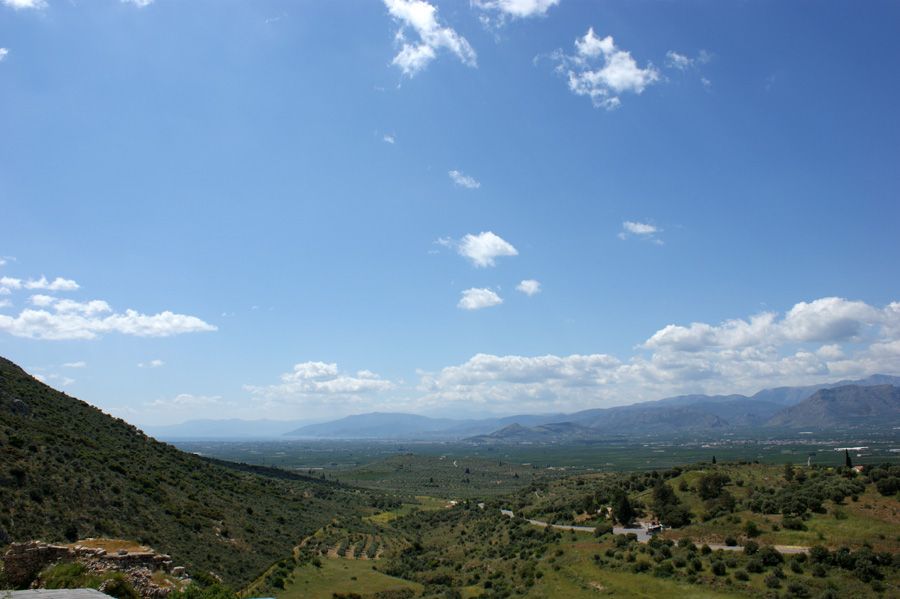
(23, 560)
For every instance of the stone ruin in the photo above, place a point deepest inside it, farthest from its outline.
(23, 560)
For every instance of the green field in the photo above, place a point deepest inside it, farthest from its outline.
(348, 460)
(342, 576)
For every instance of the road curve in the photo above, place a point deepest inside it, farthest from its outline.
(643, 536)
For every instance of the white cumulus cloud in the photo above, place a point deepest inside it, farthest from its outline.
(474, 299)
(483, 248)
(601, 71)
(529, 287)
(464, 180)
(76, 320)
(3, 53)
(69, 319)
(421, 17)
(825, 340)
(312, 381)
(826, 320)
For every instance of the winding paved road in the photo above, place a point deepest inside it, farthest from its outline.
(643, 536)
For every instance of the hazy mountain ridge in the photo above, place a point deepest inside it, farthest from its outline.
(850, 406)
(704, 412)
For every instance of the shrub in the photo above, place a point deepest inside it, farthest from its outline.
(795, 588)
(755, 565)
(772, 581)
(730, 541)
(793, 524)
(741, 575)
(664, 570)
(751, 529)
(770, 556)
(118, 586)
(818, 554)
(718, 568)
(888, 486)
(640, 566)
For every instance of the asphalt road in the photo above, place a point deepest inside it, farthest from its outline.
(643, 536)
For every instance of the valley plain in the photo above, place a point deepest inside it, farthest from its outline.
(750, 513)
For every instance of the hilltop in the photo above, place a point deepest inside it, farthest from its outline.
(68, 471)
(852, 406)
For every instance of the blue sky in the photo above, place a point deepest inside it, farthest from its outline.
(303, 210)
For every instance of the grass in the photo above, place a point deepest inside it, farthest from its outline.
(342, 576)
(110, 545)
(424, 503)
(579, 577)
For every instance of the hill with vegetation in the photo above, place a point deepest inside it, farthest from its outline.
(737, 530)
(69, 471)
(852, 406)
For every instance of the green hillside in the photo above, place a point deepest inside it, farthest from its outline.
(69, 471)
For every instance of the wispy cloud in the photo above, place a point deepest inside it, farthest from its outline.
(677, 61)
(389, 139)
(601, 71)
(529, 287)
(58, 284)
(186, 401)
(20, 4)
(74, 365)
(475, 299)
(463, 180)
(57, 380)
(643, 230)
(3, 53)
(138, 3)
(152, 364)
(421, 17)
(512, 9)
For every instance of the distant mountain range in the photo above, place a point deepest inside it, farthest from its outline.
(835, 408)
(379, 425)
(851, 406)
(868, 404)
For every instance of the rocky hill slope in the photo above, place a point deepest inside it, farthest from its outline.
(69, 471)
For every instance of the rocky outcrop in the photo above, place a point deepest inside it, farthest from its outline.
(22, 561)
